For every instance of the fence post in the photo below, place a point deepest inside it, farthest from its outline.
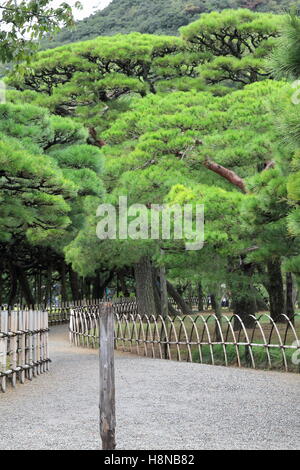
(3, 347)
(107, 377)
(164, 307)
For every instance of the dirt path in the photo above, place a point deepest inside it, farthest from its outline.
(160, 405)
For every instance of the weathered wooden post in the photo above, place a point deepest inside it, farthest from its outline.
(164, 307)
(107, 378)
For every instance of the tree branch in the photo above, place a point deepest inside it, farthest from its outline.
(229, 175)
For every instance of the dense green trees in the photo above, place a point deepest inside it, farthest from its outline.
(238, 43)
(188, 147)
(217, 142)
(94, 78)
(48, 175)
(225, 50)
(156, 17)
(285, 63)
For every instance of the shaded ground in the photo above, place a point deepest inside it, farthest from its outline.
(160, 405)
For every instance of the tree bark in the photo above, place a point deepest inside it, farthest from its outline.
(74, 282)
(25, 287)
(123, 285)
(163, 291)
(48, 293)
(13, 286)
(63, 281)
(178, 299)
(243, 297)
(216, 306)
(145, 287)
(290, 310)
(1, 282)
(275, 290)
(229, 175)
(200, 297)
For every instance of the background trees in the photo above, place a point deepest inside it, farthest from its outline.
(48, 174)
(159, 17)
(218, 141)
(23, 23)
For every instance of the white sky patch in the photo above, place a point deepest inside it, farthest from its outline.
(89, 7)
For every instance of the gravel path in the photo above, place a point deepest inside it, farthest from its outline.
(160, 405)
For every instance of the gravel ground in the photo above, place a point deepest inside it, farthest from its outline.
(160, 405)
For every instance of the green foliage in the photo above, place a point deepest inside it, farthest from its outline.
(95, 78)
(285, 59)
(47, 174)
(25, 22)
(157, 152)
(33, 191)
(285, 63)
(156, 17)
(238, 42)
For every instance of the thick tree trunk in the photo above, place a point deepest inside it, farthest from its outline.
(25, 287)
(98, 287)
(178, 299)
(163, 291)
(216, 306)
(275, 290)
(1, 282)
(48, 294)
(74, 283)
(200, 298)
(157, 290)
(13, 286)
(145, 287)
(244, 297)
(290, 310)
(87, 288)
(123, 285)
(63, 281)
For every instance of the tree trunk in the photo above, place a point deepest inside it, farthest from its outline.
(216, 306)
(163, 291)
(244, 297)
(63, 281)
(178, 299)
(74, 282)
(157, 291)
(275, 290)
(96, 287)
(13, 286)
(48, 294)
(123, 285)
(39, 288)
(290, 311)
(87, 288)
(25, 287)
(200, 298)
(145, 287)
(1, 282)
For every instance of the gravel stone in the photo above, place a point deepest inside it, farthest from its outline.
(161, 405)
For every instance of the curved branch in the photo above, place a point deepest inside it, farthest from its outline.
(229, 175)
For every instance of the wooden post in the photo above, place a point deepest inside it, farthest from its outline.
(107, 378)
(164, 304)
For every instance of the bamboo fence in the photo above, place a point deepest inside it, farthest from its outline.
(23, 345)
(195, 338)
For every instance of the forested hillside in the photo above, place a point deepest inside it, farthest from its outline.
(156, 17)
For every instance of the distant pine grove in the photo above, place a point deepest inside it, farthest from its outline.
(156, 16)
